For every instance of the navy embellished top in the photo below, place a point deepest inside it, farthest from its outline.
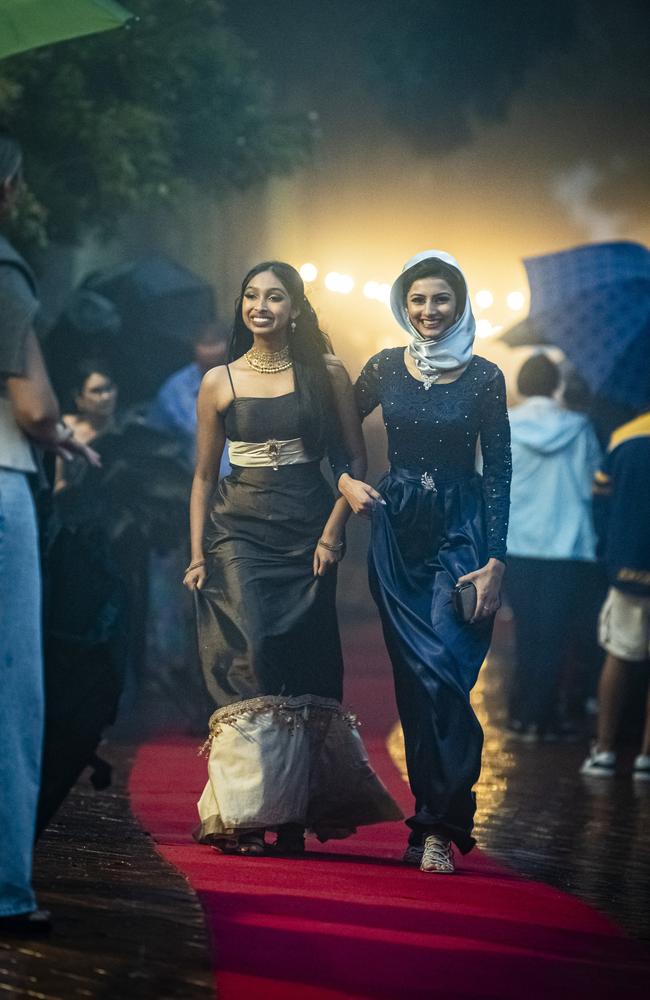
(435, 430)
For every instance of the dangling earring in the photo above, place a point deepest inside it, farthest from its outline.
(293, 326)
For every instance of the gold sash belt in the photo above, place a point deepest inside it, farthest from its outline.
(269, 453)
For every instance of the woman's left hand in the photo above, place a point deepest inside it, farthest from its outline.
(325, 559)
(487, 581)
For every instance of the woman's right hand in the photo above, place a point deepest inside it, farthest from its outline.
(360, 496)
(195, 577)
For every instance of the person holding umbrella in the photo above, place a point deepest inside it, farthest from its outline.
(622, 515)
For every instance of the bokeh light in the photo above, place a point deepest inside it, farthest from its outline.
(484, 299)
(384, 293)
(308, 272)
(485, 329)
(516, 301)
(341, 283)
(378, 290)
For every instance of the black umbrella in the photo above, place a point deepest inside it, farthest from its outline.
(159, 305)
(89, 327)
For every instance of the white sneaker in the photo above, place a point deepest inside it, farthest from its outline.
(599, 763)
(437, 856)
(413, 855)
(641, 769)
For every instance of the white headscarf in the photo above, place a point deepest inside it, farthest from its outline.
(433, 356)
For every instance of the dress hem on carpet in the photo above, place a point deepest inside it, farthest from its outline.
(276, 760)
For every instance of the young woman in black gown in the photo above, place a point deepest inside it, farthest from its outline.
(283, 754)
(436, 522)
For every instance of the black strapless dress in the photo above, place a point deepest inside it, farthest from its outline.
(282, 750)
(267, 625)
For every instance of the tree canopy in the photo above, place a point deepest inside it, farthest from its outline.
(132, 118)
(441, 66)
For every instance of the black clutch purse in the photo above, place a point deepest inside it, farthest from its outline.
(464, 601)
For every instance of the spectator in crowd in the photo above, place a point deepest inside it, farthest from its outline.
(622, 515)
(172, 639)
(551, 543)
(95, 397)
(174, 409)
(135, 504)
(579, 694)
(29, 415)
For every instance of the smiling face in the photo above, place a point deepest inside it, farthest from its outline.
(266, 306)
(431, 306)
(98, 397)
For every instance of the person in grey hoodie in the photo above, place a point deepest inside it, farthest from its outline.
(551, 542)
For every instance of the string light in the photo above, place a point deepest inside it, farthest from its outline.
(341, 283)
(308, 272)
(484, 298)
(379, 291)
(516, 301)
(485, 329)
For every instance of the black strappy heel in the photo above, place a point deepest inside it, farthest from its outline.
(290, 839)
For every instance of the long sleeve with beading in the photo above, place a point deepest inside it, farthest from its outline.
(497, 464)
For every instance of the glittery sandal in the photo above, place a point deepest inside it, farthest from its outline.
(249, 844)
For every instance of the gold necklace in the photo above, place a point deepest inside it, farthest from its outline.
(276, 361)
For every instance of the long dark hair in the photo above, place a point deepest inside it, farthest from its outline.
(308, 346)
(82, 372)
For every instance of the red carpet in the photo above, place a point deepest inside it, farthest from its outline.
(350, 921)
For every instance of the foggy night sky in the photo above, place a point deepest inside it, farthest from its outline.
(569, 162)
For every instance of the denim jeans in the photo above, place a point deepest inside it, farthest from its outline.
(21, 691)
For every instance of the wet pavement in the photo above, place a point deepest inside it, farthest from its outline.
(128, 926)
(536, 813)
(539, 815)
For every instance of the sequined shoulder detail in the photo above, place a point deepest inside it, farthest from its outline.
(436, 431)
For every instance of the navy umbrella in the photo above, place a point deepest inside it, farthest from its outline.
(593, 302)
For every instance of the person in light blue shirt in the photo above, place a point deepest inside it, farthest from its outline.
(174, 408)
(551, 578)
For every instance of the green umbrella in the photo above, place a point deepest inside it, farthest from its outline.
(28, 24)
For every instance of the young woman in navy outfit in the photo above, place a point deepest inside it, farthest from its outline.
(435, 522)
